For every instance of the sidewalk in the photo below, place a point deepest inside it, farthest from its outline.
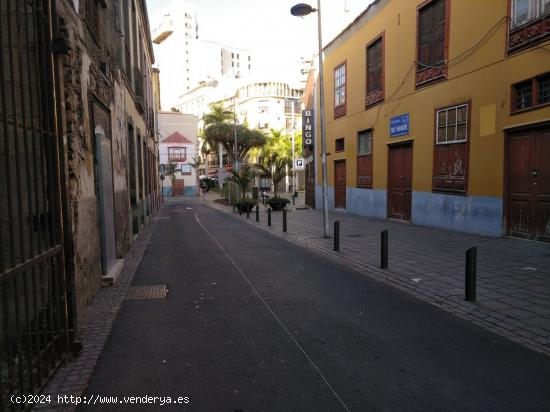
(513, 275)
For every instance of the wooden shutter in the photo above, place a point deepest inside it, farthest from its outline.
(438, 55)
(374, 66)
(425, 35)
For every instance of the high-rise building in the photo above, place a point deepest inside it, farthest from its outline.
(175, 35)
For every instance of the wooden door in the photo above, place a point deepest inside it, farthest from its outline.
(178, 187)
(340, 184)
(310, 184)
(528, 188)
(400, 182)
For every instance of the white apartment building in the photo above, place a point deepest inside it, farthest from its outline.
(265, 105)
(175, 37)
(217, 61)
(236, 62)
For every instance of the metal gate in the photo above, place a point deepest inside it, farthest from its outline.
(33, 292)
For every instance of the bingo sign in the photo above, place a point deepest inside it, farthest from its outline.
(399, 125)
(308, 134)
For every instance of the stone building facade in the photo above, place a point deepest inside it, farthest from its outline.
(109, 130)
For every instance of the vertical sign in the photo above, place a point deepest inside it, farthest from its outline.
(308, 134)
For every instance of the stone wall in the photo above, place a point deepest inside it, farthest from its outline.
(86, 78)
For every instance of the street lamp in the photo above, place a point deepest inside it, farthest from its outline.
(302, 9)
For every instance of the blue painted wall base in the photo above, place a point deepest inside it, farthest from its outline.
(481, 215)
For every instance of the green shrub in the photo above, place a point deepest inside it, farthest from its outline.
(278, 203)
(245, 204)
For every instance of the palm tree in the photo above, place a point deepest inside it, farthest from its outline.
(275, 167)
(243, 178)
(217, 115)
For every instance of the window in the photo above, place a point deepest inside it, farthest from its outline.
(364, 159)
(375, 72)
(432, 41)
(531, 94)
(529, 23)
(451, 150)
(524, 11)
(340, 90)
(339, 145)
(452, 124)
(185, 169)
(93, 17)
(177, 154)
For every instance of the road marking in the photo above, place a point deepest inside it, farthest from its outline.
(279, 321)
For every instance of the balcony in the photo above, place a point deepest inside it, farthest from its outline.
(163, 31)
(138, 90)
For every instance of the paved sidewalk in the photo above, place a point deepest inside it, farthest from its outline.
(513, 276)
(72, 378)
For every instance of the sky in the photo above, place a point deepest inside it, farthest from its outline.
(266, 27)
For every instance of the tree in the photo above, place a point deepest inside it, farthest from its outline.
(275, 167)
(224, 134)
(217, 115)
(243, 178)
(276, 156)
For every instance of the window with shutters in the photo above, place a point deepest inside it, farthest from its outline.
(364, 159)
(177, 154)
(451, 149)
(375, 72)
(93, 17)
(340, 90)
(432, 40)
(529, 23)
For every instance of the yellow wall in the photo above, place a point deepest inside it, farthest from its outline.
(482, 76)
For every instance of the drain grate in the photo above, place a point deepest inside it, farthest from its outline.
(147, 292)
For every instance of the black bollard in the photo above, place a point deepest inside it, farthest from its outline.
(257, 212)
(269, 216)
(284, 220)
(240, 210)
(337, 235)
(384, 250)
(470, 275)
(247, 212)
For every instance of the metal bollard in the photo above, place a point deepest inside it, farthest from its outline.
(257, 212)
(240, 210)
(247, 212)
(384, 250)
(470, 275)
(337, 235)
(293, 200)
(284, 220)
(269, 216)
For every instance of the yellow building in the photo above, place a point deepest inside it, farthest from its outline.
(438, 112)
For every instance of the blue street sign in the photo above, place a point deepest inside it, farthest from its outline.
(399, 125)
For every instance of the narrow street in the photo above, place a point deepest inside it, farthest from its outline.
(252, 323)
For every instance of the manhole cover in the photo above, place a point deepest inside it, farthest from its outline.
(354, 235)
(147, 292)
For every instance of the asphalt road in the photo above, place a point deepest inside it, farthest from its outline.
(253, 323)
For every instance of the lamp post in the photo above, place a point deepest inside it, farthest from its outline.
(293, 154)
(302, 9)
(234, 113)
(235, 130)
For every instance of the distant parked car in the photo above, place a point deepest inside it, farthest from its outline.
(208, 182)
